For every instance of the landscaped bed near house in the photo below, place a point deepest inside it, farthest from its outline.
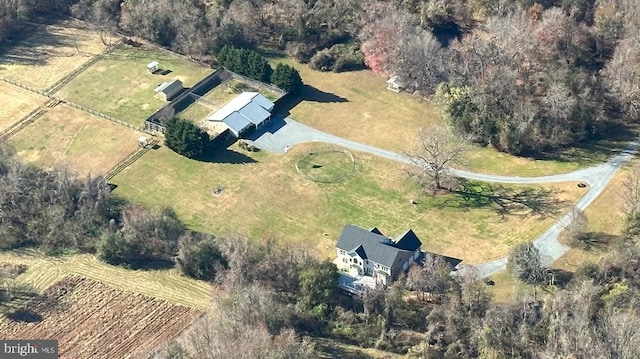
(120, 85)
(264, 195)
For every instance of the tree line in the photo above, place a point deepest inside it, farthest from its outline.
(58, 213)
(251, 64)
(528, 77)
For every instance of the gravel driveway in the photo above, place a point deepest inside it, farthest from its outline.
(281, 134)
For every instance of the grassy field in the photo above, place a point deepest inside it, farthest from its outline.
(16, 103)
(50, 54)
(87, 144)
(356, 105)
(264, 195)
(120, 85)
(165, 284)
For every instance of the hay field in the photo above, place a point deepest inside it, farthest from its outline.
(93, 320)
(50, 53)
(87, 144)
(120, 85)
(166, 284)
(264, 195)
(15, 103)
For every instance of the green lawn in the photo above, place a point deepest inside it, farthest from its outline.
(119, 85)
(264, 195)
(356, 105)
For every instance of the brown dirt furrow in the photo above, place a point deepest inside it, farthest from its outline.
(94, 320)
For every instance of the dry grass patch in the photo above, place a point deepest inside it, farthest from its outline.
(87, 144)
(357, 105)
(16, 103)
(50, 53)
(605, 212)
(166, 284)
(264, 195)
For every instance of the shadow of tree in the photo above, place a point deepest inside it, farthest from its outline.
(220, 152)
(24, 315)
(595, 241)
(594, 150)
(561, 277)
(505, 200)
(308, 93)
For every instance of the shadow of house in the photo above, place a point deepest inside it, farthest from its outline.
(272, 127)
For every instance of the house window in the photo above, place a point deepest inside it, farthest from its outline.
(344, 260)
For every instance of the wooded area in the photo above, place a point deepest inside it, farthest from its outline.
(520, 75)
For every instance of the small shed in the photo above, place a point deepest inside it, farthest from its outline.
(143, 141)
(153, 66)
(168, 90)
(395, 84)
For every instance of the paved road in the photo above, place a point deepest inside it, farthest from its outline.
(281, 134)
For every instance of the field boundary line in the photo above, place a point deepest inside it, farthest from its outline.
(98, 113)
(22, 123)
(25, 87)
(120, 166)
(72, 104)
(58, 85)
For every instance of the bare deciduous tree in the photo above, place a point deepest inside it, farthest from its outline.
(437, 149)
(577, 229)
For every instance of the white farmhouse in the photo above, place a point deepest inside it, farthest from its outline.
(368, 253)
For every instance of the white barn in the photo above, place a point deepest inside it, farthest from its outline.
(248, 110)
(167, 90)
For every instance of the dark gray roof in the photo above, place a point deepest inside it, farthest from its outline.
(376, 231)
(408, 241)
(377, 248)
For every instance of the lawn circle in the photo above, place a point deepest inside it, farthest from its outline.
(326, 165)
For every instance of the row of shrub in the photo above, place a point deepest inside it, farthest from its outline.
(251, 64)
(338, 58)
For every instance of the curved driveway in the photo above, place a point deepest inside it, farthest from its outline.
(281, 134)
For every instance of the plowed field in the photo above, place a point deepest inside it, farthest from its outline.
(93, 320)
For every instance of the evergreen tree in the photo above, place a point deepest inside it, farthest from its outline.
(245, 62)
(287, 78)
(185, 138)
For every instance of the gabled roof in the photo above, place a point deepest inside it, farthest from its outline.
(153, 64)
(236, 122)
(245, 109)
(408, 241)
(254, 113)
(169, 88)
(376, 231)
(376, 247)
(240, 102)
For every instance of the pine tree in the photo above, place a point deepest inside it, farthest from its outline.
(287, 78)
(185, 138)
